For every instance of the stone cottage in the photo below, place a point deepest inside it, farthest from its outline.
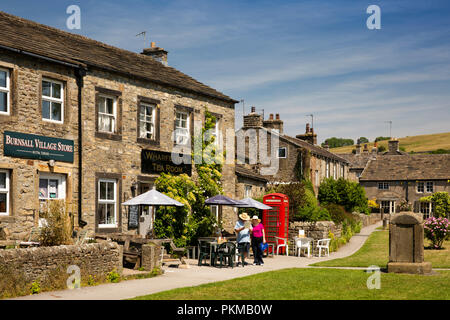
(91, 124)
(291, 158)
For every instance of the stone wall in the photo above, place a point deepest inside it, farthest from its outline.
(96, 259)
(151, 256)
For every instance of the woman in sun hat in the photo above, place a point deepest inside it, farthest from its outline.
(242, 230)
(258, 237)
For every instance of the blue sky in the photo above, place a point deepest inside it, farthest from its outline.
(292, 57)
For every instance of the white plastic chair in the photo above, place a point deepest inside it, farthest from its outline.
(325, 245)
(302, 243)
(282, 245)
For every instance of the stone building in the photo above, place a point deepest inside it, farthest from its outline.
(293, 157)
(393, 179)
(91, 124)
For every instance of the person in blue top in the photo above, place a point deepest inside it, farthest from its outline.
(242, 229)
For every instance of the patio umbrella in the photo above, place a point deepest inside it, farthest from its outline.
(153, 198)
(252, 203)
(223, 200)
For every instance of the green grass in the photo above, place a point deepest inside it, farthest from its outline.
(427, 142)
(315, 284)
(375, 251)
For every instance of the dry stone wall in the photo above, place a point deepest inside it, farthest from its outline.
(96, 259)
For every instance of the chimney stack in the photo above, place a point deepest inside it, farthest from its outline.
(274, 124)
(253, 119)
(375, 148)
(309, 135)
(358, 146)
(157, 53)
(393, 146)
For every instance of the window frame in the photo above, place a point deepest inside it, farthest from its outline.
(107, 201)
(285, 153)
(427, 190)
(114, 114)
(426, 209)
(248, 191)
(7, 90)
(383, 184)
(61, 185)
(420, 184)
(7, 191)
(51, 100)
(178, 128)
(153, 122)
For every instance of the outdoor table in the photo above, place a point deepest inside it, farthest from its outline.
(311, 241)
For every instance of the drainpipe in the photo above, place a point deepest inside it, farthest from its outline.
(80, 73)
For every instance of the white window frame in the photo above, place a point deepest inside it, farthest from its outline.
(427, 190)
(52, 99)
(247, 191)
(108, 201)
(285, 153)
(420, 184)
(316, 177)
(215, 212)
(144, 122)
(383, 186)
(113, 115)
(6, 191)
(216, 132)
(61, 185)
(6, 90)
(426, 209)
(181, 131)
(327, 169)
(335, 170)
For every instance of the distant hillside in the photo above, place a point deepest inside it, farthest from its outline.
(427, 142)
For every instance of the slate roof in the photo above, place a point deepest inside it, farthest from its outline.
(408, 167)
(357, 161)
(242, 171)
(24, 35)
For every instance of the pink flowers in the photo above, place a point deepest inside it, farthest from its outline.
(437, 230)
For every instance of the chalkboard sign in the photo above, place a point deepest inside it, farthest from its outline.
(133, 217)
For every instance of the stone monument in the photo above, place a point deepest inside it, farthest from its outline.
(406, 244)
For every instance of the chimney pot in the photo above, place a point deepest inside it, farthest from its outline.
(271, 116)
(253, 109)
(152, 44)
(277, 116)
(307, 128)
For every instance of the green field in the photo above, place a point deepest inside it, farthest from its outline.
(428, 142)
(316, 284)
(375, 251)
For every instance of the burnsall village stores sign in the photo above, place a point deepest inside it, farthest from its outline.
(30, 146)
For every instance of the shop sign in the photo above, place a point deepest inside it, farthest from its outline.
(157, 162)
(30, 146)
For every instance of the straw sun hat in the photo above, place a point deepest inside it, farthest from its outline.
(256, 218)
(244, 216)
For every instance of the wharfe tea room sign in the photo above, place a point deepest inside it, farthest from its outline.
(161, 162)
(30, 146)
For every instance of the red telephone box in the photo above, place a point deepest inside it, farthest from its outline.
(276, 220)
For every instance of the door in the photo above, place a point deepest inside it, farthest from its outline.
(146, 212)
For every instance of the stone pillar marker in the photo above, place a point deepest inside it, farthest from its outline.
(406, 244)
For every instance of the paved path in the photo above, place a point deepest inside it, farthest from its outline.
(177, 278)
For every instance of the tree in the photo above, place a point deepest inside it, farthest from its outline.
(338, 142)
(441, 202)
(195, 219)
(363, 140)
(382, 138)
(343, 192)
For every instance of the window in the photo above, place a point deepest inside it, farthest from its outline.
(147, 121)
(316, 177)
(327, 171)
(4, 91)
(4, 192)
(182, 134)
(426, 208)
(429, 186)
(282, 152)
(216, 132)
(107, 203)
(383, 186)
(420, 187)
(52, 101)
(248, 192)
(52, 187)
(107, 114)
(334, 171)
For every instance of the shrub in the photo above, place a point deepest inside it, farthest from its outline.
(346, 193)
(113, 277)
(437, 230)
(58, 229)
(35, 287)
